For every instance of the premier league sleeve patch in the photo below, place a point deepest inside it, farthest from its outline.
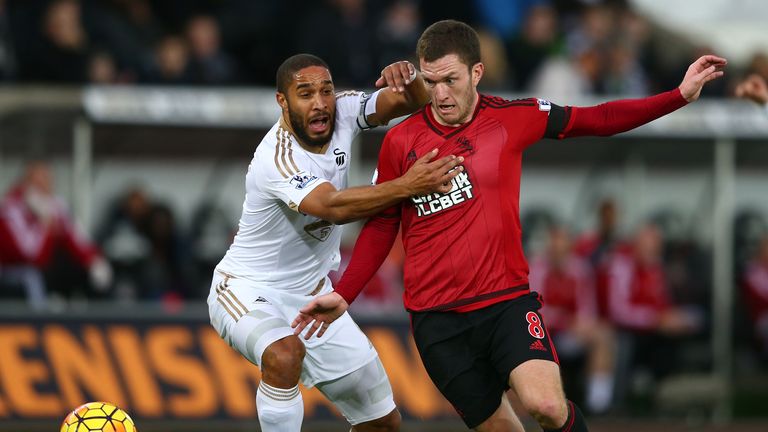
(544, 105)
(302, 180)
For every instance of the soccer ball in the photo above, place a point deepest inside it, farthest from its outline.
(98, 417)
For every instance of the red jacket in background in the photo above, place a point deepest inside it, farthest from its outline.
(635, 295)
(28, 239)
(568, 291)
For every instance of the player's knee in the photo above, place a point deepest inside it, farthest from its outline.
(388, 423)
(549, 412)
(281, 361)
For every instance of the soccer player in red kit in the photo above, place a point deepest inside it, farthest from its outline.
(475, 321)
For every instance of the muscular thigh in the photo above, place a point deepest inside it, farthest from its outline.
(362, 395)
(520, 335)
(455, 357)
(247, 319)
(250, 318)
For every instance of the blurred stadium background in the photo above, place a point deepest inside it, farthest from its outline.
(126, 127)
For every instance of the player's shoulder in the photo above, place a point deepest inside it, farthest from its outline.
(350, 100)
(277, 155)
(415, 120)
(350, 106)
(345, 94)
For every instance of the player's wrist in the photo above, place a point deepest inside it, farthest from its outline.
(342, 298)
(400, 188)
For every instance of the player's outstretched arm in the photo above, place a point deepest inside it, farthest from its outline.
(403, 92)
(319, 314)
(346, 205)
(622, 115)
(753, 88)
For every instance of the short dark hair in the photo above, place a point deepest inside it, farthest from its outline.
(293, 64)
(449, 37)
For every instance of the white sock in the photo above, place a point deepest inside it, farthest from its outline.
(599, 392)
(280, 410)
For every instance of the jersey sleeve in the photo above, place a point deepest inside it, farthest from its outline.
(289, 177)
(379, 233)
(354, 107)
(543, 119)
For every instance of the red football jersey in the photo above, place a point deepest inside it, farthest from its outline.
(463, 248)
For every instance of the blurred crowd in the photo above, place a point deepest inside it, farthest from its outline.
(551, 48)
(625, 309)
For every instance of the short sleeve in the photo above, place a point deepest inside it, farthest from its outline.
(288, 176)
(354, 107)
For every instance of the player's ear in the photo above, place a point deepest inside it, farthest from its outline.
(280, 98)
(477, 72)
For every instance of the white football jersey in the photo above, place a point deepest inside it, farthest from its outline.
(276, 246)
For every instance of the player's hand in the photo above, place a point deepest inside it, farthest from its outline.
(396, 76)
(319, 314)
(427, 176)
(753, 88)
(702, 71)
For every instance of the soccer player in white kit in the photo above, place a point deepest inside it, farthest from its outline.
(288, 240)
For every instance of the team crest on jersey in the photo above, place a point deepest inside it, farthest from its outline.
(302, 180)
(544, 105)
(341, 157)
(320, 230)
(436, 202)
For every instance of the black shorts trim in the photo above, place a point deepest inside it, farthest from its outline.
(469, 356)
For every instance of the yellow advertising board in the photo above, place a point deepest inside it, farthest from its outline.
(169, 370)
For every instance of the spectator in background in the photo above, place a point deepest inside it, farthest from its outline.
(566, 283)
(127, 29)
(496, 75)
(623, 74)
(211, 231)
(398, 32)
(7, 58)
(755, 288)
(62, 55)
(759, 65)
(596, 246)
(595, 30)
(538, 40)
(168, 270)
(568, 78)
(637, 300)
(38, 241)
(342, 32)
(170, 63)
(142, 241)
(123, 237)
(102, 68)
(209, 65)
(754, 88)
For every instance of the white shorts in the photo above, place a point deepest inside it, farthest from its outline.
(250, 318)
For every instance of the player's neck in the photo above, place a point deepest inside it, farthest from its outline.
(311, 149)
